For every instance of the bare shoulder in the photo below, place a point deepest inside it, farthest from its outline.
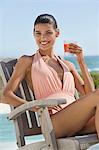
(24, 62)
(19, 72)
(69, 64)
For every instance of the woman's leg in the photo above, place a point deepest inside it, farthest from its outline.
(88, 128)
(73, 118)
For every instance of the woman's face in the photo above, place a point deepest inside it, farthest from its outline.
(45, 35)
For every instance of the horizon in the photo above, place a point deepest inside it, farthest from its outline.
(14, 57)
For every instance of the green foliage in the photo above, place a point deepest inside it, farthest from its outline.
(95, 76)
(1, 83)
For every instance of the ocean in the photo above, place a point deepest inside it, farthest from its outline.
(8, 137)
(7, 132)
(91, 61)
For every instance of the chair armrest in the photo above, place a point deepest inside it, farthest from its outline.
(35, 103)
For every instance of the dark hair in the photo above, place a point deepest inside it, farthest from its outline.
(46, 18)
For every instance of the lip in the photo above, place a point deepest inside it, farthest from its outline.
(44, 43)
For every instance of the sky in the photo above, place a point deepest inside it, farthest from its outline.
(78, 21)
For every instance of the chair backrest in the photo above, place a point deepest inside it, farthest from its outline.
(27, 124)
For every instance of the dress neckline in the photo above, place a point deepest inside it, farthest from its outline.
(60, 63)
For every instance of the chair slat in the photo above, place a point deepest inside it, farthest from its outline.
(27, 122)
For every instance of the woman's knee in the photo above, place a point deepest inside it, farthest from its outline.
(97, 95)
(97, 91)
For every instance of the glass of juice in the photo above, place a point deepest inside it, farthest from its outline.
(66, 48)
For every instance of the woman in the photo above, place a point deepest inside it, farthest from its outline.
(50, 77)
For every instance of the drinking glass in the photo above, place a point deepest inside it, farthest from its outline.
(66, 45)
(66, 48)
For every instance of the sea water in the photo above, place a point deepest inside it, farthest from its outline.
(8, 137)
(91, 61)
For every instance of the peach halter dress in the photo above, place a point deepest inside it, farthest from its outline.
(47, 84)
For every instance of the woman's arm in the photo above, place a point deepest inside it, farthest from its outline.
(88, 82)
(18, 74)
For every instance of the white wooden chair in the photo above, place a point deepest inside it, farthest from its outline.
(29, 123)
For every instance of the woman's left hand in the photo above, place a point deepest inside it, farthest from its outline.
(75, 49)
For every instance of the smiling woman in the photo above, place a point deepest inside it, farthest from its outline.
(50, 77)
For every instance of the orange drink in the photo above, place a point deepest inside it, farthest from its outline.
(65, 46)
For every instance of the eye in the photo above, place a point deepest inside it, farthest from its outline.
(49, 33)
(37, 33)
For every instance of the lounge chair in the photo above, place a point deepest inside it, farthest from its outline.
(28, 123)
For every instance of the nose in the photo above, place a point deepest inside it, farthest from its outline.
(43, 36)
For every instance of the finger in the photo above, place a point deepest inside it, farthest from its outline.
(35, 109)
(74, 46)
(75, 50)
